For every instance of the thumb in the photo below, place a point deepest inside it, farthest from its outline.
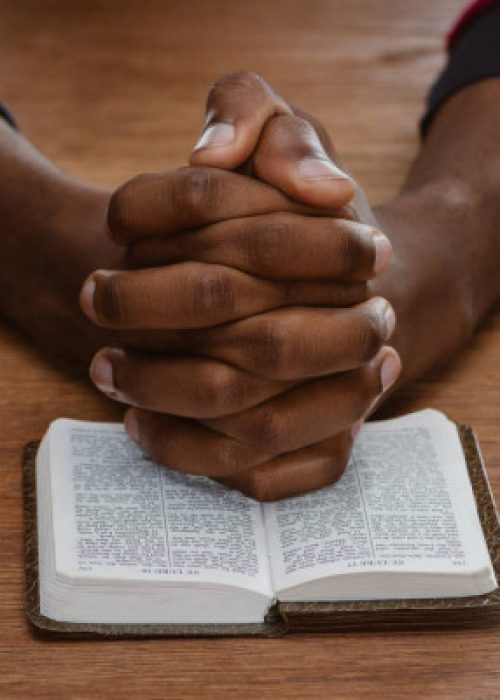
(238, 107)
(291, 157)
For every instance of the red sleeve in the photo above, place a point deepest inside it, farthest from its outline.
(472, 12)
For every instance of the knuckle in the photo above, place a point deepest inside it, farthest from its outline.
(237, 80)
(271, 432)
(196, 192)
(122, 209)
(270, 349)
(220, 389)
(294, 135)
(214, 293)
(269, 243)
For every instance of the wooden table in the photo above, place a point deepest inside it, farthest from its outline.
(108, 89)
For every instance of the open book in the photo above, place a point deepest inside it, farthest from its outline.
(122, 539)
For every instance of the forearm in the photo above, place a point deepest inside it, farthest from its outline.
(445, 229)
(51, 236)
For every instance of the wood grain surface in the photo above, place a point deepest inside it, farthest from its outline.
(108, 89)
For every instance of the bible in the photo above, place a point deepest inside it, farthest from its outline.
(123, 545)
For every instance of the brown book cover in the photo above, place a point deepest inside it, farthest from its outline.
(472, 611)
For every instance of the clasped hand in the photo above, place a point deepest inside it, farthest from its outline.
(247, 340)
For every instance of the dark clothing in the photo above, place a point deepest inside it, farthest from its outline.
(474, 54)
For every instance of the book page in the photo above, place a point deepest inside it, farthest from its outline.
(120, 515)
(404, 503)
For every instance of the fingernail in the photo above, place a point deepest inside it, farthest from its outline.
(356, 427)
(219, 134)
(384, 316)
(87, 298)
(101, 373)
(132, 425)
(383, 252)
(390, 371)
(389, 320)
(320, 169)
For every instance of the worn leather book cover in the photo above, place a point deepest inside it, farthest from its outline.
(341, 616)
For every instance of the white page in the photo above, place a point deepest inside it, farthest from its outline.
(120, 515)
(405, 503)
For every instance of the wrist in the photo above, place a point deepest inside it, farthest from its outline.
(78, 232)
(433, 284)
(439, 223)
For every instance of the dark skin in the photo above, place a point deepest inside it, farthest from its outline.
(278, 382)
(48, 311)
(53, 236)
(443, 227)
